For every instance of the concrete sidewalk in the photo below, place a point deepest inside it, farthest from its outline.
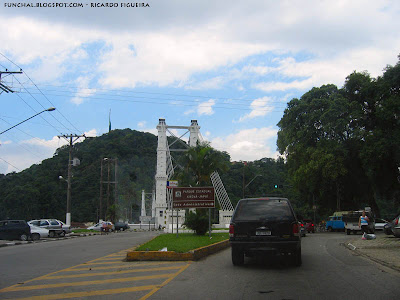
(385, 249)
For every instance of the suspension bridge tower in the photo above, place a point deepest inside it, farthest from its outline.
(165, 168)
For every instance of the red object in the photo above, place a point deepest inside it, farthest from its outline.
(231, 230)
(296, 229)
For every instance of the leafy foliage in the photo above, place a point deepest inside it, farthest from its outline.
(197, 221)
(342, 145)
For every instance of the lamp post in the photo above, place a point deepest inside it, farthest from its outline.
(49, 109)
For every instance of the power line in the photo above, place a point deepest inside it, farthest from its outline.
(10, 164)
(179, 102)
(245, 102)
(41, 94)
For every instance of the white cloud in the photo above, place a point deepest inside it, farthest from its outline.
(91, 133)
(206, 108)
(248, 144)
(259, 108)
(142, 124)
(209, 84)
(83, 91)
(166, 58)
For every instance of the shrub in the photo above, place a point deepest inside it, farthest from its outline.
(197, 221)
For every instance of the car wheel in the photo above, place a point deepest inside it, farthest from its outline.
(23, 237)
(62, 234)
(348, 231)
(237, 256)
(35, 236)
(52, 234)
(330, 229)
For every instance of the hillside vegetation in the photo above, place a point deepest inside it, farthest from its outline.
(341, 149)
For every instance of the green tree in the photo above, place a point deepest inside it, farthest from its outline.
(199, 163)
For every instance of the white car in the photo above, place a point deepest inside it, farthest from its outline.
(98, 226)
(39, 232)
(379, 223)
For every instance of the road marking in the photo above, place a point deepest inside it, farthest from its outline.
(126, 265)
(92, 293)
(83, 283)
(40, 288)
(114, 273)
(165, 282)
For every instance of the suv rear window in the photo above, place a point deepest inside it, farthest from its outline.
(263, 210)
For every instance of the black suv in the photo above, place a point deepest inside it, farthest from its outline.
(264, 226)
(14, 230)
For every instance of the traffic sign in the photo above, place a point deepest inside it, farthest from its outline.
(193, 197)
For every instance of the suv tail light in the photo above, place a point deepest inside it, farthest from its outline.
(231, 230)
(296, 229)
(397, 221)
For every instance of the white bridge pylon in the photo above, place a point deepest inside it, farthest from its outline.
(165, 171)
(165, 167)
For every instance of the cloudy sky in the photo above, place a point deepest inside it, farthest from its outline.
(232, 65)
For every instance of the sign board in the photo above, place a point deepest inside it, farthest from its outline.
(145, 218)
(193, 197)
(172, 183)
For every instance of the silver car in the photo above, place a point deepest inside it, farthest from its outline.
(54, 227)
(38, 232)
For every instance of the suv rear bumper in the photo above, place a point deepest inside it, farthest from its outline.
(261, 246)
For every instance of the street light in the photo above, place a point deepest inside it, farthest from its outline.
(49, 109)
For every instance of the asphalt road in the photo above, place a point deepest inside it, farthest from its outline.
(93, 268)
(329, 271)
(24, 262)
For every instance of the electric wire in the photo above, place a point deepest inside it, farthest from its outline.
(179, 102)
(10, 164)
(155, 93)
(33, 137)
(58, 111)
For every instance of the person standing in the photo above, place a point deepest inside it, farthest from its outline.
(363, 223)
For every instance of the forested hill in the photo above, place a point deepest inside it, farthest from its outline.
(38, 191)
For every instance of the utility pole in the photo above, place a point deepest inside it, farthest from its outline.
(108, 202)
(101, 190)
(71, 139)
(3, 87)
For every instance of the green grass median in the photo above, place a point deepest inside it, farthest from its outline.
(183, 243)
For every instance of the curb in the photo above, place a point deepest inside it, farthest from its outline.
(353, 248)
(192, 255)
(72, 236)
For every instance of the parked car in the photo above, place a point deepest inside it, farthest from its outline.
(121, 226)
(396, 226)
(380, 223)
(388, 228)
(351, 222)
(302, 228)
(39, 232)
(54, 227)
(264, 226)
(66, 228)
(309, 224)
(102, 226)
(335, 223)
(14, 230)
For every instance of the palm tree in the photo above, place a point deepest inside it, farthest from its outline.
(199, 162)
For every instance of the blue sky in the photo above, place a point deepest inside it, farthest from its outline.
(231, 65)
